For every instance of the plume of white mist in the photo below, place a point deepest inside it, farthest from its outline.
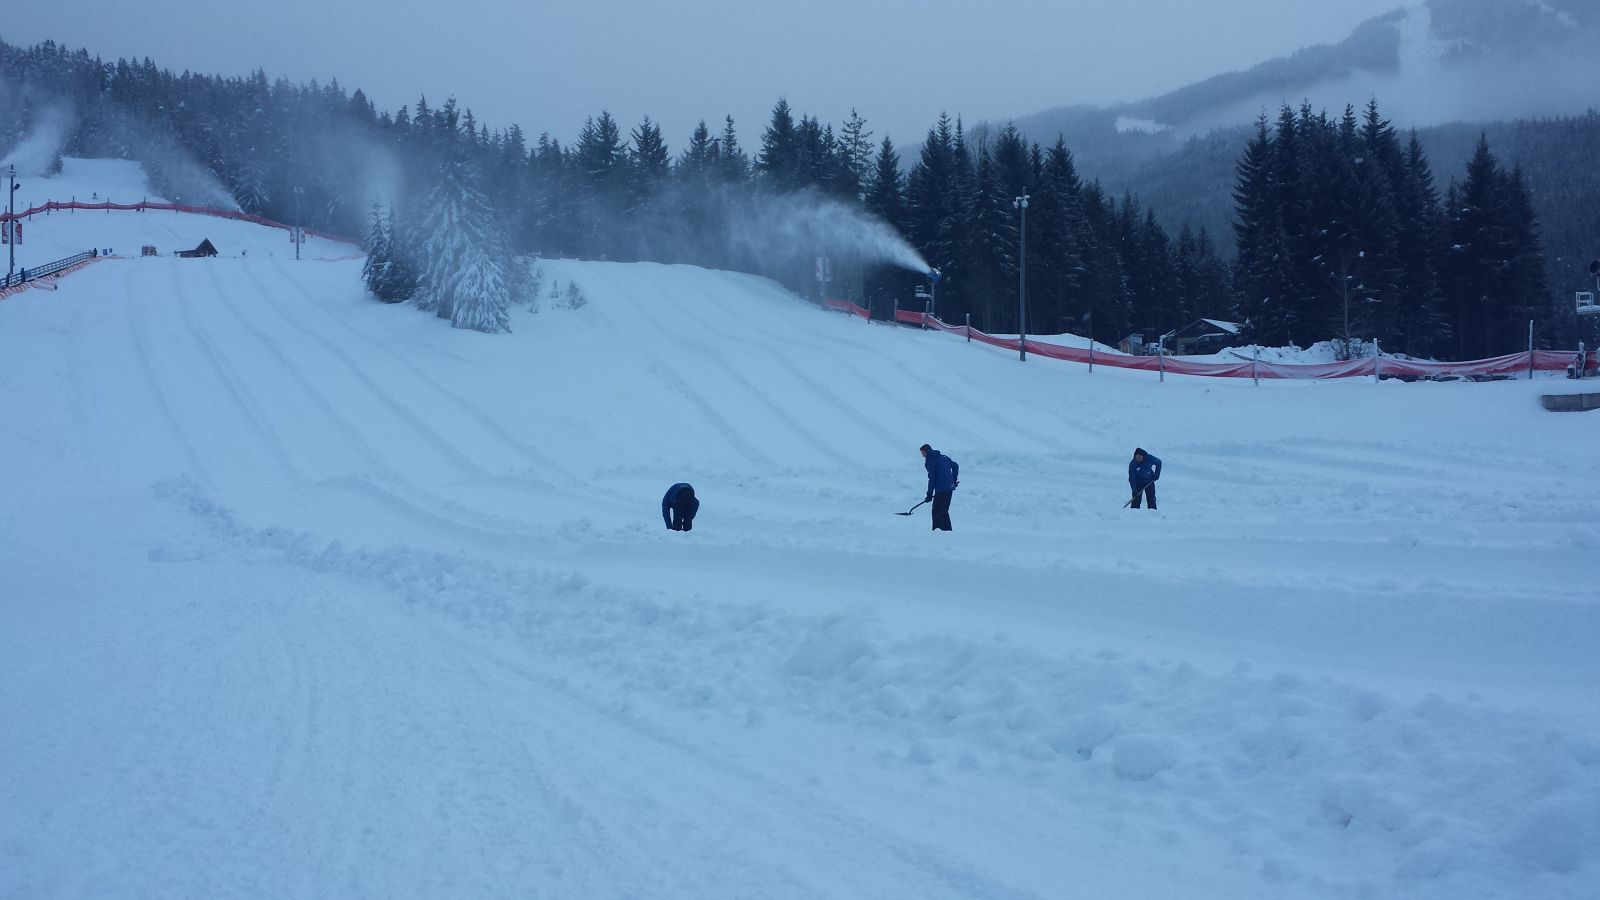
(381, 178)
(35, 155)
(178, 177)
(772, 226)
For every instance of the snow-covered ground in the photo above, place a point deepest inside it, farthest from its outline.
(63, 233)
(306, 596)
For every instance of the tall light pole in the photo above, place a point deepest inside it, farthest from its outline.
(11, 223)
(861, 266)
(299, 232)
(1021, 203)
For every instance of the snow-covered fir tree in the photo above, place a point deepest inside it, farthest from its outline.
(388, 270)
(480, 294)
(464, 255)
(378, 252)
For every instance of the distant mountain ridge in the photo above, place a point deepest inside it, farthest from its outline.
(1434, 62)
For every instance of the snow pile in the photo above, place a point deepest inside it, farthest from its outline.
(304, 595)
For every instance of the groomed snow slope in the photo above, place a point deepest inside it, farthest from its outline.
(306, 596)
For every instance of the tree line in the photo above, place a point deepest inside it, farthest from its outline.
(1339, 228)
(1342, 233)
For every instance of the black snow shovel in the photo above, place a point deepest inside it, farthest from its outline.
(1137, 493)
(911, 510)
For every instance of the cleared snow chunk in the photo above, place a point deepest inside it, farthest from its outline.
(891, 701)
(830, 650)
(951, 704)
(1430, 859)
(1140, 757)
(1359, 803)
(1559, 836)
(1280, 740)
(1083, 733)
(166, 553)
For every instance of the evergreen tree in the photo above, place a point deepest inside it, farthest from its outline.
(1482, 248)
(1258, 236)
(886, 200)
(1529, 297)
(650, 165)
(1105, 285)
(735, 165)
(1210, 296)
(600, 179)
(377, 247)
(698, 176)
(1055, 253)
(988, 255)
(464, 277)
(780, 159)
(1419, 325)
(933, 212)
(855, 156)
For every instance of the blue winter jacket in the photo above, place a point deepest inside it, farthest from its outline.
(943, 472)
(1147, 472)
(680, 497)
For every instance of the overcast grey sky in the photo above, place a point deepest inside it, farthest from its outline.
(548, 65)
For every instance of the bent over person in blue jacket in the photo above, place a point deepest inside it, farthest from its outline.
(679, 506)
(944, 475)
(1144, 471)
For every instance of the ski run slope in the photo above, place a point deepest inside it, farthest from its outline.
(305, 596)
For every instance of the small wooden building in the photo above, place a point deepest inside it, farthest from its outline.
(205, 249)
(1203, 336)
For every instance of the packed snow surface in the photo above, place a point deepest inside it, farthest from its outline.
(302, 595)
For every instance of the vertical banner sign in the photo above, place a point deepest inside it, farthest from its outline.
(18, 227)
(5, 232)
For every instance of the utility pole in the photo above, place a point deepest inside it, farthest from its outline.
(1021, 203)
(299, 231)
(11, 223)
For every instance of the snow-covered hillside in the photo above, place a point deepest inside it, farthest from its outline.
(306, 596)
(45, 238)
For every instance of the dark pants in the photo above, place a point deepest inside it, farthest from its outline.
(941, 511)
(679, 523)
(1149, 492)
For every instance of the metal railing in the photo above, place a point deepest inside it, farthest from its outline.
(29, 274)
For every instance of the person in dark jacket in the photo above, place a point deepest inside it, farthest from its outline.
(1144, 471)
(679, 506)
(944, 476)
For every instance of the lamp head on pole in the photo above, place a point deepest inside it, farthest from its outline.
(1020, 202)
(933, 275)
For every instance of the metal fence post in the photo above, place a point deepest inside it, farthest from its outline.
(1530, 349)
(1377, 362)
(969, 328)
(1255, 367)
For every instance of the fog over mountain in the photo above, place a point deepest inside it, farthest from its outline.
(1430, 63)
